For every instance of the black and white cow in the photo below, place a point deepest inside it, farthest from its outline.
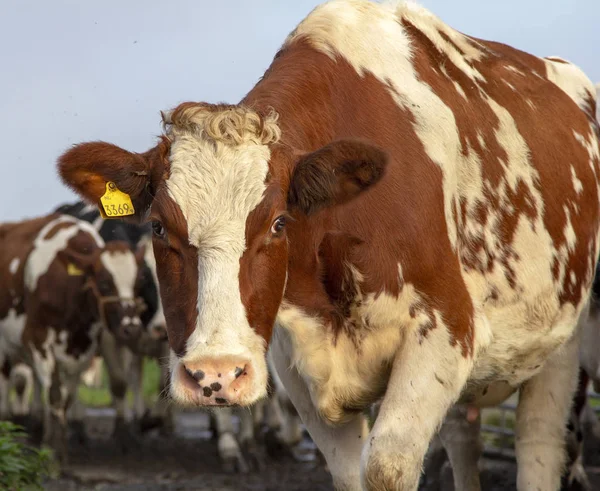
(60, 284)
(124, 360)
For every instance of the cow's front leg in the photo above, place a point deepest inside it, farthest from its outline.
(340, 445)
(135, 372)
(55, 418)
(427, 377)
(544, 405)
(36, 413)
(75, 417)
(21, 380)
(116, 359)
(248, 435)
(47, 378)
(227, 445)
(164, 406)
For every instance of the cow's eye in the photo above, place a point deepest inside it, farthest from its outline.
(278, 225)
(158, 230)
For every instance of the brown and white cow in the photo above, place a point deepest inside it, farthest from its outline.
(417, 212)
(59, 284)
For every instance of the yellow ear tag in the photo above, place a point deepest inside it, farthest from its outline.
(73, 270)
(115, 203)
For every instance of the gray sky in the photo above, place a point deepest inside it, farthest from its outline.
(75, 70)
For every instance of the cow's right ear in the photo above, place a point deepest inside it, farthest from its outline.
(88, 167)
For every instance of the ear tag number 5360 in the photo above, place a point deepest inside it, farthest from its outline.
(115, 203)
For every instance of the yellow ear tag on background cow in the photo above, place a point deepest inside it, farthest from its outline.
(73, 270)
(115, 203)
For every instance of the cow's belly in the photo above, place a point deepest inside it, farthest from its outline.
(522, 337)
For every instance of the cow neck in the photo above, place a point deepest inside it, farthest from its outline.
(302, 85)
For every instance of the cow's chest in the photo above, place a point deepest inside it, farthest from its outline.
(73, 351)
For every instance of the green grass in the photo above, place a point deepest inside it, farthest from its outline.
(595, 403)
(22, 467)
(101, 397)
(493, 418)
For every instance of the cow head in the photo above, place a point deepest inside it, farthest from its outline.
(220, 191)
(111, 276)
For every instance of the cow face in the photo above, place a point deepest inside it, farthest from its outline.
(220, 192)
(112, 281)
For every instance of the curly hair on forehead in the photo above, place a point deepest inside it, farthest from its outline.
(225, 123)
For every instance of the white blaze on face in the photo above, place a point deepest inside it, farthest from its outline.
(45, 250)
(123, 268)
(216, 187)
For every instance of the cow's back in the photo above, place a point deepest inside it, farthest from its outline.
(498, 163)
(16, 242)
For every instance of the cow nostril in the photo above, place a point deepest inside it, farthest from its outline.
(197, 375)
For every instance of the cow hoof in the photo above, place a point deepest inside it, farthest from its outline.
(576, 484)
(148, 422)
(232, 459)
(22, 420)
(167, 429)
(235, 465)
(56, 441)
(78, 434)
(253, 454)
(34, 427)
(126, 436)
(275, 447)
(576, 479)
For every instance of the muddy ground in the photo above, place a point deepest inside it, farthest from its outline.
(188, 461)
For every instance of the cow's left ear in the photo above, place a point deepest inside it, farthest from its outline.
(334, 174)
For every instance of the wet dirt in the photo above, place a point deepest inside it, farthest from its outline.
(188, 460)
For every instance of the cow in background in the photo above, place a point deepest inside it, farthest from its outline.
(124, 361)
(60, 285)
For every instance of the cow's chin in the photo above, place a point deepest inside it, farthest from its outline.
(226, 380)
